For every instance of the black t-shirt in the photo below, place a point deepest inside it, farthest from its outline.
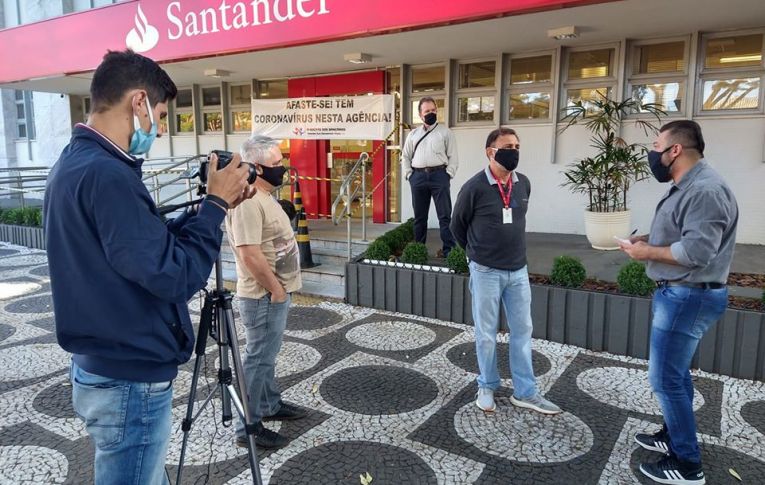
(477, 222)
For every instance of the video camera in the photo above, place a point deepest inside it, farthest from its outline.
(224, 157)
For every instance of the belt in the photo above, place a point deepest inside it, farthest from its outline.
(429, 169)
(705, 286)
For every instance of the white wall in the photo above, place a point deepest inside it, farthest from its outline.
(735, 148)
(53, 129)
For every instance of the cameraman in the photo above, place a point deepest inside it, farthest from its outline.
(268, 270)
(120, 276)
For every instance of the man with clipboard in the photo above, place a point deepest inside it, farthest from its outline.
(489, 221)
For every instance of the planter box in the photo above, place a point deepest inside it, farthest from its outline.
(618, 324)
(31, 237)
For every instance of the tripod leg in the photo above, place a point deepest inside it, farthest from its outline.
(224, 372)
(202, 334)
(249, 426)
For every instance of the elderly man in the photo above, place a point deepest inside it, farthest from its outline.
(268, 271)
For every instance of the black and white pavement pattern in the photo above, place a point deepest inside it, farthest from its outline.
(390, 395)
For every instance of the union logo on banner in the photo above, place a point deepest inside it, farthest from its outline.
(144, 36)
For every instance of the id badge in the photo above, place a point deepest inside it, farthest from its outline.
(507, 215)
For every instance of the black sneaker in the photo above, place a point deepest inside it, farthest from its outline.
(264, 438)
(673, 471)
(658, 441)
(287, 412)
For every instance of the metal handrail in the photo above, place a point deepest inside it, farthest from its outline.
(345, 191)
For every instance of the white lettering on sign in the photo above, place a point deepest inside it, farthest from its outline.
(238, 15)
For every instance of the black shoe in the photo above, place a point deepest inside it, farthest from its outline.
(287, 412)
(264, 438)
(673, 471)
(658, 441)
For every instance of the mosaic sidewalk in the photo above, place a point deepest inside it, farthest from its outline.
(390, 395)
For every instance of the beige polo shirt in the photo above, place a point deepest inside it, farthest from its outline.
(261, 220)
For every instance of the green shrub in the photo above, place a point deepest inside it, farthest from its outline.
(32, 216)
(13, 216)
(415, 253)
(763, 297)
(407, 229)
(457, 261)
(633, 280)
(22, 216)
(568, 271)
(396, 240)
(379, 250)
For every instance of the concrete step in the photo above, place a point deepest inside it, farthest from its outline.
(318, 255)
(358, 246)
(324, 280)
(322, 290)
(337, 257)
(329, 274)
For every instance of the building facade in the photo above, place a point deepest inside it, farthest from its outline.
(492, 63)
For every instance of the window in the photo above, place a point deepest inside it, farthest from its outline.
(589, 76)
(24, 115)
(240, 100)
(212, 114)
(428, 81)
(274, 89)
(184, 112)
(657, 74)
(9, 9)
(475, 91)
(731, 75)
(529, 88)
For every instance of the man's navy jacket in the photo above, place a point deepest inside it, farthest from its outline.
(120, 276)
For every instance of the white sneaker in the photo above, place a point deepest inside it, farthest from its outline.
(537, 403)
(485, 400)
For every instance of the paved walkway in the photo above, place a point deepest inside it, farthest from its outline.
(391, 395)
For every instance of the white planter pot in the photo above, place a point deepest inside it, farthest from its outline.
(601, 227)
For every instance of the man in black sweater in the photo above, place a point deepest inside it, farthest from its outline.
(489, 221)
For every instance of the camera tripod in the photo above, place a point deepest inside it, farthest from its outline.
(217, 322)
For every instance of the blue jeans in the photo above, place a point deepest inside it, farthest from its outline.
(488, 287)
(264, 323)
(681, 317)
(129, 423)
(433, 184)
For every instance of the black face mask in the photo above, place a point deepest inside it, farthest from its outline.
(273, 175)
(508, 158)
(660, 171)
(430, 119)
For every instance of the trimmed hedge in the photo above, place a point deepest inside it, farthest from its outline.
(568, 271)
(633, 280)
(379, 250)
(415, 253)
(457, 261)
(22, 216)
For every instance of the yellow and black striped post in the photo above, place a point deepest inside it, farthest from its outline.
(304, 242)
(297, 200)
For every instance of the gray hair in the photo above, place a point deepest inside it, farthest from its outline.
(256, 149)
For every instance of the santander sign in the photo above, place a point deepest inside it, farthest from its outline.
(178, 30)
(227, 16)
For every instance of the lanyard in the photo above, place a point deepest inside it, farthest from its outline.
(505, 198)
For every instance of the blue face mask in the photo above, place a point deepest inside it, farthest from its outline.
(141, 141)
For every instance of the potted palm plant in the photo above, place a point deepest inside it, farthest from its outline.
(607, 176)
